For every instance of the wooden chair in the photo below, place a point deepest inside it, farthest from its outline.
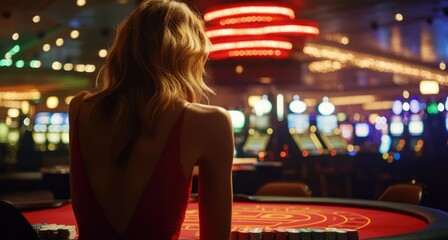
(403, 193)
(284, 189)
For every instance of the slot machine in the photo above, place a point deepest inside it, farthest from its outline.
(446, 122)
(327, 126)
(238, 124)
(415, 128)
(41, 122)
(13, 122)
(362, 131)
(347, 132)
(54, 131)
(4, 129)
(260, 131)
(65, 128)
(298, 122)
(396, 129)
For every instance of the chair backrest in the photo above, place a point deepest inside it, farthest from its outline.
(13, 225)
(284, 189)
(403, 193)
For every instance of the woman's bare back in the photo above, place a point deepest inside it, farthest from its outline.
(205, 139)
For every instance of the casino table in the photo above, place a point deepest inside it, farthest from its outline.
(373, 220)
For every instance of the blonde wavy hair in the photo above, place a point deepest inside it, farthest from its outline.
(157, 58)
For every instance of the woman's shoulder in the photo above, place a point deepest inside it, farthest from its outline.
(81, 96)
(77, 100)
(208, 116)
(207, 111)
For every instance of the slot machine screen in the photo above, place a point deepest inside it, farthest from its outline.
(446, 121)
(42, 118)
(415, 125)
(256, 143)
(385, 144)
(238, 120)
(396, 127)
(346, 131)
(3, 132)
(299, 122)
(53, 137)
(326, 124)
(66, 119)
(65, 138)
(260, 122)
(337, 142)
(362, 130)
(39, 138)
(416, 128)
(57, 119)
(13, 137)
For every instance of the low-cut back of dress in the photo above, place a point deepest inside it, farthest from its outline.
(160, 211)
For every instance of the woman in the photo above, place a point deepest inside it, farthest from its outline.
(135, 141)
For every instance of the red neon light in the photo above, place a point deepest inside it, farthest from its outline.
(238, 9)
(250, 53)
(255, 30)
(250, 19)
(231, 45)
(273, 29)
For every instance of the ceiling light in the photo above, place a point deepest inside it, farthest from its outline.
(52, 102)
(59, 42)
(239, 69)
(81, 3)
(35, 64)
(12, 112)
(20, 64)
(36, 19)
(344, 40)
(56, 65)
(373, 62)
(406, 94)
(15, 36)
(325, 66)
(80, 68)
(102, 53)
(74, 34)
(46, 47)
(90, 68)
(399, 17)
(377, 105)
(68, 66)
(442, 65)
(428, 87)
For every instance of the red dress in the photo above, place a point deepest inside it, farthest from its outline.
(160, 211)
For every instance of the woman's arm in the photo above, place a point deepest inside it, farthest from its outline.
(215, 177)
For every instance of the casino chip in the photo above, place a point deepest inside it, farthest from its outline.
(306, 234)
(54, 231)
(330, 234)
(281, 234)
(293, 234)
(268, 234)
(352, 234)
(318, 234)
(255, 234)
(243, 234)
